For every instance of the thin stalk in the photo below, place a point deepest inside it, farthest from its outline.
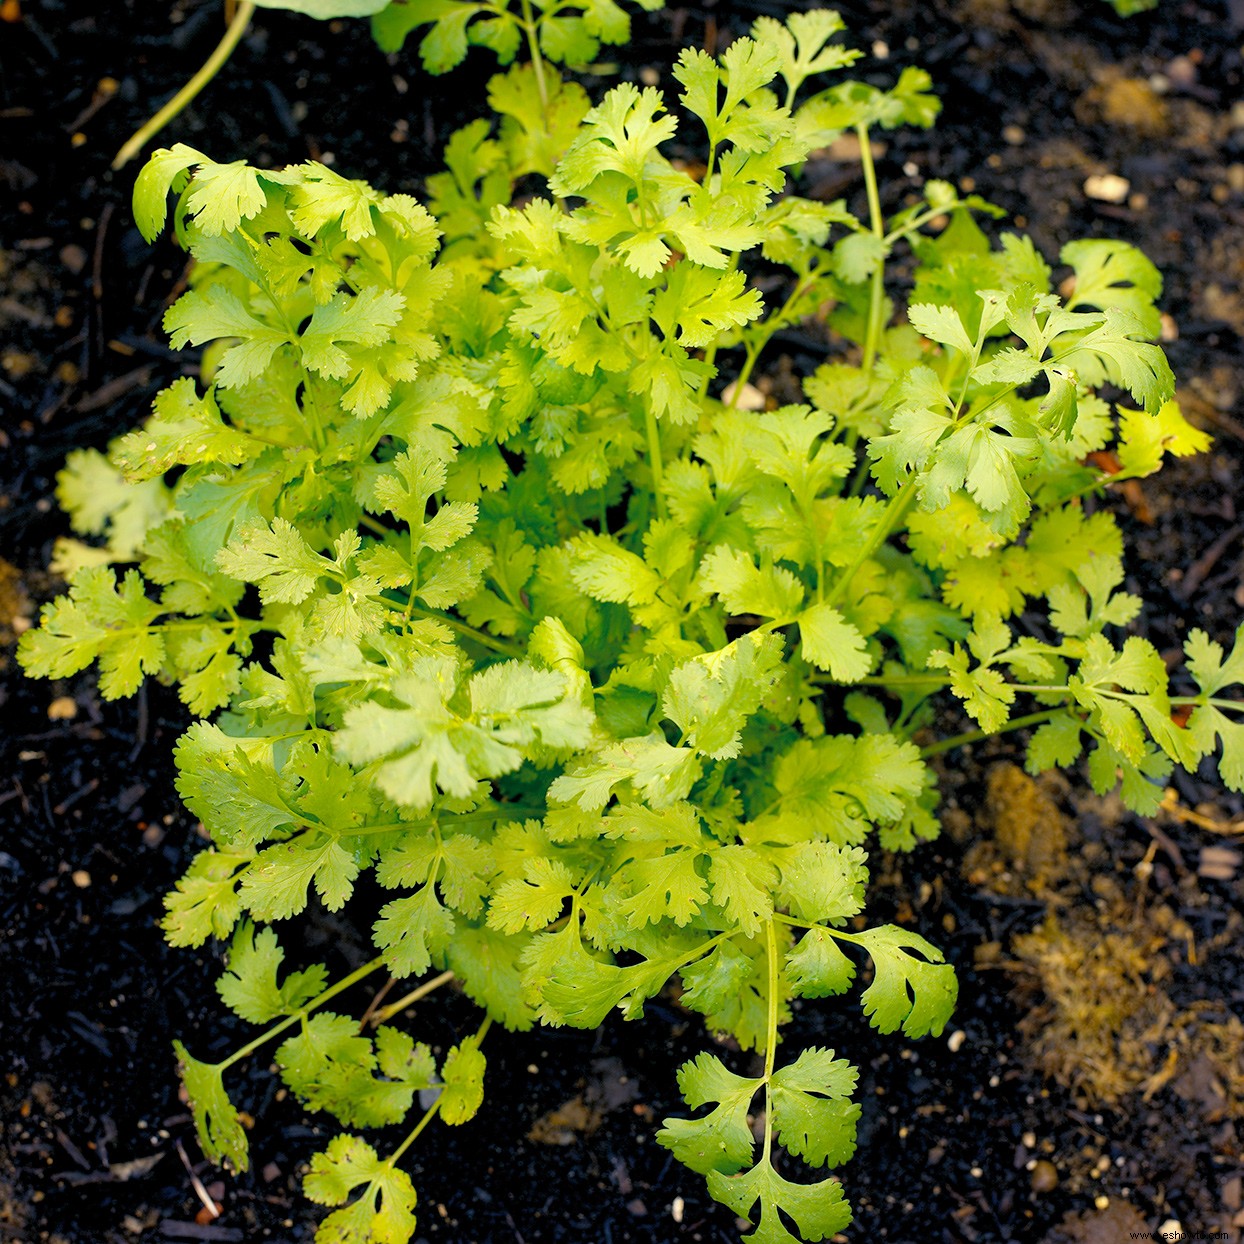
(211, 67)
(655, 461)
(298, 1016)
(386, 1013)
(480, 637)
(932, 681)
(771, 1029)
(745, 372)
(894, 512)
(773, 323)
(395, 1156)
(975, 736)
(537, 60)
(876, 295)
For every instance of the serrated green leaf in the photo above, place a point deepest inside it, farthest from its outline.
(215, 1119)
(384, 1210)
(817, 968)
(463, 1074)
(916, 994)
(819, 1211)
(721, 1140)
(249, 987)
(813, 1114)
(711, 697)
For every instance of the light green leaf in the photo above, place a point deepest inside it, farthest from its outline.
(384, 1210)
(249, 987)
(831, 643)
(215, 1119)
(916, 994)
(813, 1114)
(722, 1139)
(463, 1073)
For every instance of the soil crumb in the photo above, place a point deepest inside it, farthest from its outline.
(1108, 1226)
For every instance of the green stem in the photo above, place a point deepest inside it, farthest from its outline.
(298, 1016)
(395, 1156)
(211, 67)
(771, 1033)
(745, 372)
(897, 507)
(655, 462)
(537, 60)
(975, 736)
(932, 681)
(480, 637)
(876, 294)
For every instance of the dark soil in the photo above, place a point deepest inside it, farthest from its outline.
(92, 833)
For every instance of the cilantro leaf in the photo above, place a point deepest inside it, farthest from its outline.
(384, 1210)
(818, 1210)
(249, 988)
(721, 1140)
(102, 622)
(463, 1073)
(831, 643)
(916, 994)
(813, 1114)
(215, 1118)
(711, 697)
(425, 740)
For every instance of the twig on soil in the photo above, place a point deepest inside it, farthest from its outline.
(197, 1183)
(1168, 845)
(1208, 560)
(372, 1006)
(81, 793)
(97, 277)
(140, 726)
(108, 393)
(1172, 807)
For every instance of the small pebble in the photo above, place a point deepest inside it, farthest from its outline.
(750, 398)
(1102, 1202)
(954, 1043)
(1029, 1140)
(17, 364)
(1170, 330)
(1181, 72)
(1044, 1177)
(1013, 134)
(63, 708)
(73, 257)
(1171, 1229)
(1235, 177)
(677, 1208)
(81, 878)
(1107, 188)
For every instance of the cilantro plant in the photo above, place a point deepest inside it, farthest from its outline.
(477, 576)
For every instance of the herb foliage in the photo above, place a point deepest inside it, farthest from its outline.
(476, 577)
